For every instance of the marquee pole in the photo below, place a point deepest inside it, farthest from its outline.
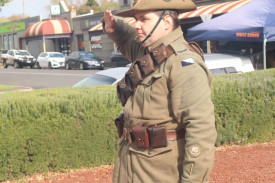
(264, 52)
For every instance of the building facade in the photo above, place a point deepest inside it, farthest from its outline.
(12, 33)
(65, 32)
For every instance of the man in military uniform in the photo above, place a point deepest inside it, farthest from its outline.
(168, 131)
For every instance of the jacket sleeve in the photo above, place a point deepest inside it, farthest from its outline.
(190, 88)
(125, 40)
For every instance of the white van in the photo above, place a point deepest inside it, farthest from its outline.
(219, 63)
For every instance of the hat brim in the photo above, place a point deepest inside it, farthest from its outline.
(132, 12)
(128, 13)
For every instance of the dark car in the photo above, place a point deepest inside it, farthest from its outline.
(118, 60)
(83, 60)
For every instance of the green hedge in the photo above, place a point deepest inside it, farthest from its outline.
(57, 129)
(245, 107)
(67, 128)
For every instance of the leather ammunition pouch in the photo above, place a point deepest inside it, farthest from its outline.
(119, 122)
(153, 137)
(143, 137)
(157, 136)
(141, 68)
(139, 136)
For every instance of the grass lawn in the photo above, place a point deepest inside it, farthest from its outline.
(6, 87)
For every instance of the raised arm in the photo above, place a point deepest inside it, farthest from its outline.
(109, 22)
(123, 35)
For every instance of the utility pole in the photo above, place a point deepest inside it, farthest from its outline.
(23, 9)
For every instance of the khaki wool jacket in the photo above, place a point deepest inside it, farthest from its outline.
(176, 95)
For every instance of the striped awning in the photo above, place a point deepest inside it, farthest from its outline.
(131, 21)
(206, 9)
(49, 27)
(214, 9)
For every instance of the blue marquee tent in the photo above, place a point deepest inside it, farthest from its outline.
(253, 22)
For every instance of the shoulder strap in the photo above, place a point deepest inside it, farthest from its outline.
(140, 69)
(193, 46)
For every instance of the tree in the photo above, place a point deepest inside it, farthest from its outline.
(2, 2)
(70, 3)
(16, 17)
(3, 19)
(108, 5)
(83, 9)
(91, 3)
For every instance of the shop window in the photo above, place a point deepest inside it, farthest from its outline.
(64, 46)
(125, 2)
(80, 43)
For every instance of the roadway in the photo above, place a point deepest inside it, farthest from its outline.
(42, 78)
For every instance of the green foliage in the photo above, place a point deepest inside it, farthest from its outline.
(83, 9)
(53, 130)
(2, 2)
(91, 3)
(245, 107)
(108, 5)
(67, 128)
(3, 20)
(5, 87)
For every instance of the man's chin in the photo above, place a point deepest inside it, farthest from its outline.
(140, 40)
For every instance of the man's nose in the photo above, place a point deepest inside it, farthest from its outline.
(137, 25)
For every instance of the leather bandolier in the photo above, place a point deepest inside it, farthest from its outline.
(145, 65)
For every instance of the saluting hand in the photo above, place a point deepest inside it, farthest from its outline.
(109, 22)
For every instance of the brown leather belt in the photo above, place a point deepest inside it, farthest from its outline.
(175, 135)
(152, 137)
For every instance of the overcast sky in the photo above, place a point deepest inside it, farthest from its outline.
(31, 8)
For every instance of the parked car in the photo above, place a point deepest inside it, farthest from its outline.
(118, 60)
(219, 63)
(19, 59)
(107, 77)
(50, 60)
(83, 60)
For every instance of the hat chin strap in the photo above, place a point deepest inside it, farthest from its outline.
(152, 31)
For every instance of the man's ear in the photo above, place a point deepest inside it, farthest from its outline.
(169, 23)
